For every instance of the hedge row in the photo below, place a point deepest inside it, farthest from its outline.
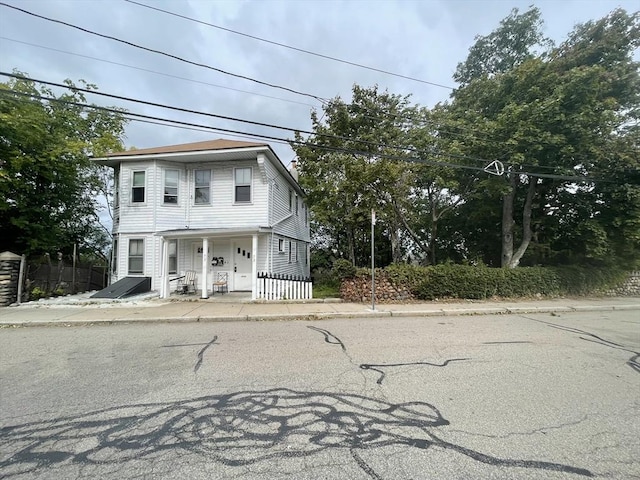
(478, 282)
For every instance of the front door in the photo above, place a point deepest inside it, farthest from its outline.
(242, 264)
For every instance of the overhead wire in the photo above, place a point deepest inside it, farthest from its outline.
(160, 52)
(175, 57)
(226, 117)
(156, 72)
(252, 135)
(290, 47)
(322, 100)
(349, 151)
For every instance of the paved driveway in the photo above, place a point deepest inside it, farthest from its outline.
(504, 397)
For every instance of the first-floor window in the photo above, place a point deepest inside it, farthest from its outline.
(173, 257)
(136, 256)
(295, 252)
(289, 251)
(281, 245)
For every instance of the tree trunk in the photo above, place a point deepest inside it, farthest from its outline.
(526, 225)
(396, 256)
(434, 235)
(414, 236)
(351, 245)
(507, 222)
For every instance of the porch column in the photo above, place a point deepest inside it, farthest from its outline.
(254, 267)
(164, 268)
(205, 265)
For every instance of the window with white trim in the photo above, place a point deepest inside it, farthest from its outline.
(289, 251)
(173, 257)
(138, 186)
(295, 252)
(202, 187)
(171, 178)
(242, 178)
(280, 245)
(296, 205)
(136, 256)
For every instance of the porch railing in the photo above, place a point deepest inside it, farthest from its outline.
(283, 287)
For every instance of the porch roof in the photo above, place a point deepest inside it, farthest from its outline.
(212, 232)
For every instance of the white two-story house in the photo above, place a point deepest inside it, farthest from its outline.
(209, 207)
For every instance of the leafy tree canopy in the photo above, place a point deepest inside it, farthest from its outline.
(48, 185)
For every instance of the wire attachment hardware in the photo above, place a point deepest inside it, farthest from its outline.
(495, 168)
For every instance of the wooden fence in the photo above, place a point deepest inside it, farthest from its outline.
(283, 287)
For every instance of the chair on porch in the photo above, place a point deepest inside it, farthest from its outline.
(221, 284)
(187, 283)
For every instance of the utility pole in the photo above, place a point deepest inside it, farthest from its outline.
(373, 261)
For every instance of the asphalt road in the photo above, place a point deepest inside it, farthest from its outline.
(499, 397)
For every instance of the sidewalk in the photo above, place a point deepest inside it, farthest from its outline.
(154, 310)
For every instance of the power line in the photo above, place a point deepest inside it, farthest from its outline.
(297, 142)
(155, 72)
(422, 121)
(234, 119)
(252, 135)
(160, 52)
(308, 52)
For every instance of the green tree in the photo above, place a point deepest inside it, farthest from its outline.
(49, 188)
(550, 116)
(343, 186)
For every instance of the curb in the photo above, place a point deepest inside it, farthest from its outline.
(323, 315)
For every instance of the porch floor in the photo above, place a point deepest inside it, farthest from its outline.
(231, 297)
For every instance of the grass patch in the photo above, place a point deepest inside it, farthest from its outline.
(326, 291)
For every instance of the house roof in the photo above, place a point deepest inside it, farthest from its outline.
(218, 144)
(220, 149)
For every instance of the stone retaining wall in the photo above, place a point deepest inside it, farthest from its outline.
(9, 274)
(630, 288)
(358, 289)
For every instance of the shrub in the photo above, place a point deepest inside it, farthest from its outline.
(37, 293)
(575, 280)
(343, 268)
(406, 275)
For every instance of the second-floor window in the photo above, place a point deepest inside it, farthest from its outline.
(243, 185)
(171, 186)
(202, 192)
(137, 187)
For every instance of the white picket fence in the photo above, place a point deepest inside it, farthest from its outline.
(284, 287)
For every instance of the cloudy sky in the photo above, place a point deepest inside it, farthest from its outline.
(420, 39)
